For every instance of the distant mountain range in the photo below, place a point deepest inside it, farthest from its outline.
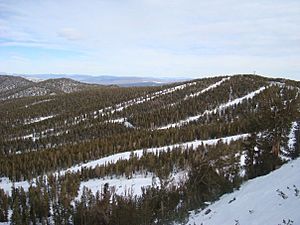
(124, 81)
(16, 87)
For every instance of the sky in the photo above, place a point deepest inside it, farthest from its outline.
(169, 38)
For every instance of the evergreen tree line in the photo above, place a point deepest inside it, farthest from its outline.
(70, 106)
(86, 130)
(274, 112)
(55, 200)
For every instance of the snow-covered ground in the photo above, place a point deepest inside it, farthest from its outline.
(38, 119)
(267, 200)
(121, 106)
(133, 186)
(39, 102)
(36, 136)
(6, 184)
(121, 121)
(220, 107)
(120, 185)
(126, 155)
(291, 141)
(124, 186)
(210, 87)
(292, 137)
(207, 89)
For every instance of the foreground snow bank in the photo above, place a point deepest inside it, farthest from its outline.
(270, 200)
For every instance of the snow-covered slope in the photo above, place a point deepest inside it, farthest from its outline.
(143, 99)
(123, 105)
(220, 107)
(139, 153)
(269, 200)
(6, 184)
(12, 87)
(8, 83)
(208, 88)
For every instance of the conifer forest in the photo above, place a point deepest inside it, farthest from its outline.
(79, 154)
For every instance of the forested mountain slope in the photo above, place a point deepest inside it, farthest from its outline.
(101, 153)
(12, 87)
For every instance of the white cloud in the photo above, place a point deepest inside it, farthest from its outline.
(70, 34)
(151, 37)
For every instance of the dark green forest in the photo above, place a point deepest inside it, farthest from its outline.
(100, 121)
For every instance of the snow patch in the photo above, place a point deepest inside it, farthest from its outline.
(292, 136)
(207, 89)
(121, 121)
(38, 119)
(132, 186)
(121, 185)
(38, 102)
(7, 185)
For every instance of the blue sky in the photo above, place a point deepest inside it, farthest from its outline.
(191, 38)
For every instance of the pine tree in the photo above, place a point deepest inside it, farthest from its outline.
(16, 218)
(4, 205)
(251, 156)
